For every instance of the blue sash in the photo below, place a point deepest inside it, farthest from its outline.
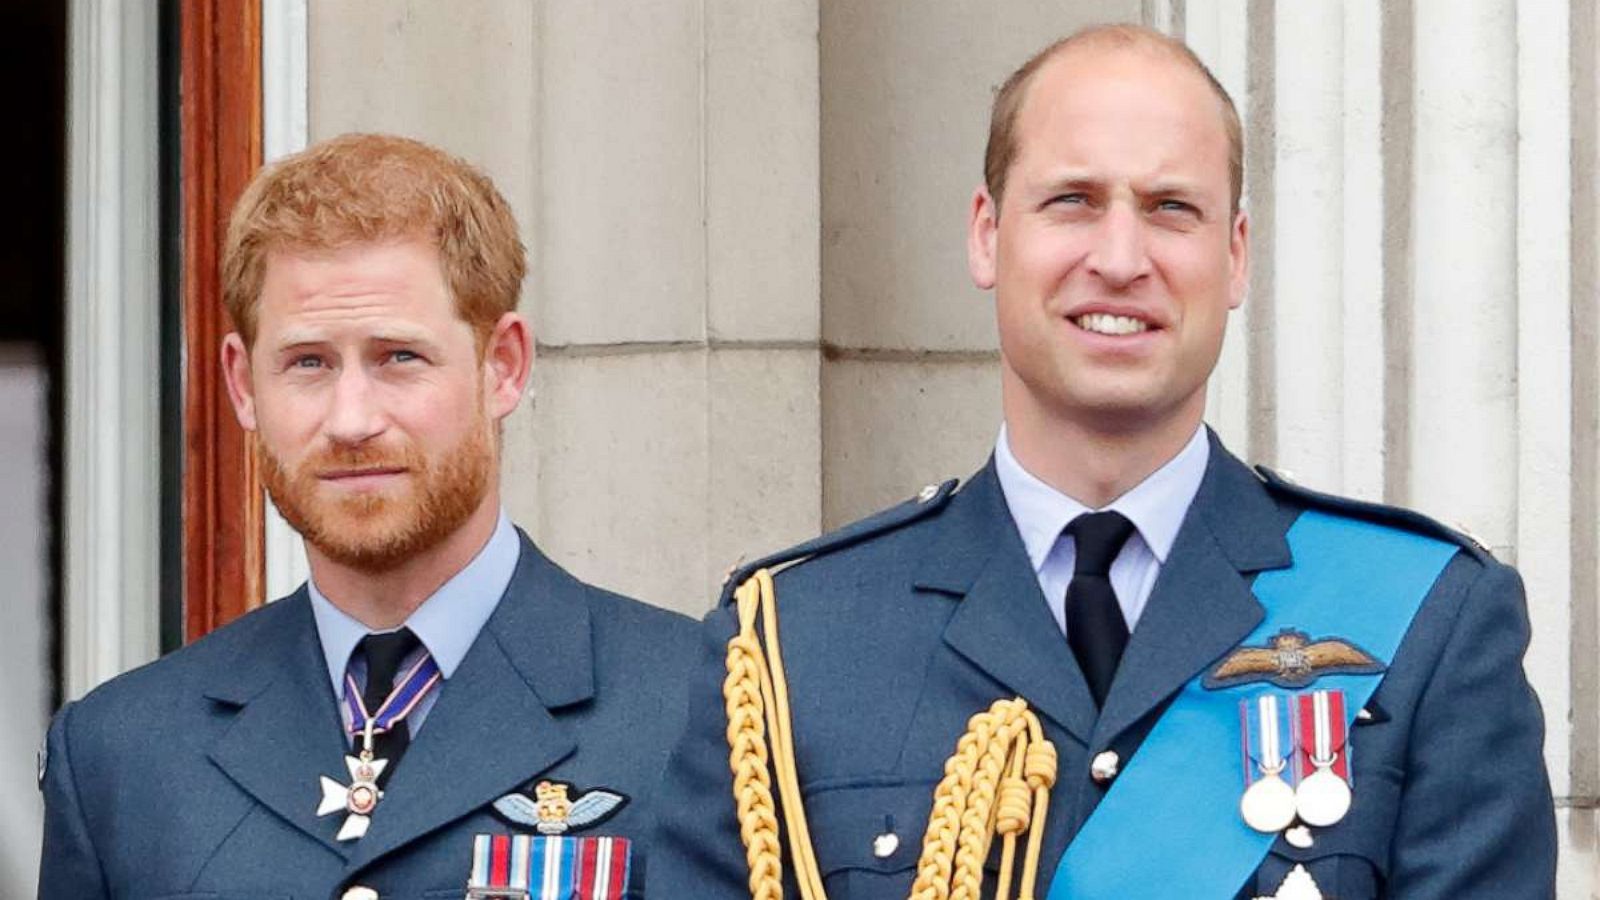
(1170, 825)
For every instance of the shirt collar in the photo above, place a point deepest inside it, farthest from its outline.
(1156, 506)
(446, 623)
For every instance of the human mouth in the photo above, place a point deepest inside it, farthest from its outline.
(360, 478)
(1110, 324)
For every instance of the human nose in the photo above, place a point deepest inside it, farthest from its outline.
(356, 415)
(1119, 255)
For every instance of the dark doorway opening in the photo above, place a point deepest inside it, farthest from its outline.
(33, 59)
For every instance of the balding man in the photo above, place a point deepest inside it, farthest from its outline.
(1117, 662)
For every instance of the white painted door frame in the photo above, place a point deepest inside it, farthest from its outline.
(112, 366)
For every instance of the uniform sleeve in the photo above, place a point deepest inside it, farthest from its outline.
(696, 851)
(68, 864)
(1476, 817)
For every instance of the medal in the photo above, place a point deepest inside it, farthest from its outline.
(1323, 796)
(1268, 804)
(360, 797)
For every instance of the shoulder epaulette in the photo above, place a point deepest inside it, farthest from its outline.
(1381, 513)
(927, 501)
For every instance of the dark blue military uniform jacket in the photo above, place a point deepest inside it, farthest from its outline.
(900, 627)
(197, 776)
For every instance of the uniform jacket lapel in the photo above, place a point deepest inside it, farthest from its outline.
(492, 729)
(1201, 605)
(286, 730)
(1002, 624)
(1200, 608)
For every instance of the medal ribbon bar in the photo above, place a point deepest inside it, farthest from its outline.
(536, 867)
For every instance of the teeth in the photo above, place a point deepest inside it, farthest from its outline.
(1105, 323)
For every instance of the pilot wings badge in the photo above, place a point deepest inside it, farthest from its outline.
(1291, 659)
(552, 811)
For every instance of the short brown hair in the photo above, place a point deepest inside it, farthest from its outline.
(1002, 148)
(361, 188)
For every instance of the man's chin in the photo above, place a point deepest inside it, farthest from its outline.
(372, 553)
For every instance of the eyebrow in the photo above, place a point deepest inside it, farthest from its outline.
(1072, 181)
(1161, 186)
(300, 340)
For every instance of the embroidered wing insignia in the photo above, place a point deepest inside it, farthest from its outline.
(1291, 659)
(552, 811)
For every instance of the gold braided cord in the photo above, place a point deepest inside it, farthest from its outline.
(752, 786)
(756, 694)
(997, 782)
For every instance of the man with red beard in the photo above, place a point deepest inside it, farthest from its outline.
(440, 707)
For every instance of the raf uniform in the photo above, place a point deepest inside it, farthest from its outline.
(198, 775)
(896, 629)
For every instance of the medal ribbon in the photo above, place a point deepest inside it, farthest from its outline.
(1265, 726)
(541, 867)
(1320, 716)
(1200, 847)
(416, 684)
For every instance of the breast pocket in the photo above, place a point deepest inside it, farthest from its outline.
(868, 835)
(1349, 860)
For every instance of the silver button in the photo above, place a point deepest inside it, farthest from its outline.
(359, 892)
(884, 845)
(1104, 766)
(928, 493)
(1299, 836)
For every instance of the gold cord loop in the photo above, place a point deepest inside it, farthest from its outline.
(997, 782)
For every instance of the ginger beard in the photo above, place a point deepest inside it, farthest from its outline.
(375, 531)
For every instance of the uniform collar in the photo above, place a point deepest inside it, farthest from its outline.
(447, 622)
(1156, 506)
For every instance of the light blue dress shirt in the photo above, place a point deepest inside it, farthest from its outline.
(1156, 507)
(446, 623)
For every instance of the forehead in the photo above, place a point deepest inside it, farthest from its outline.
(1131, 107)
(361, 283)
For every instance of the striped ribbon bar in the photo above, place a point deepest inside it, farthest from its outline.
(538, 867)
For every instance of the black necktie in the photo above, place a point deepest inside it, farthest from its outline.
(1095, 627)
(383, 653)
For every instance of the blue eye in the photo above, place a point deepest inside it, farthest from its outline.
(306, 362)
(403, 356)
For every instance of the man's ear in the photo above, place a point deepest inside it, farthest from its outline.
(982, 226)
(1239, 250)
(507, 363)
(236, 373)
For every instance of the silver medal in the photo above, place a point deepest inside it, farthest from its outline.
(1322, 798)
(1268, 804)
